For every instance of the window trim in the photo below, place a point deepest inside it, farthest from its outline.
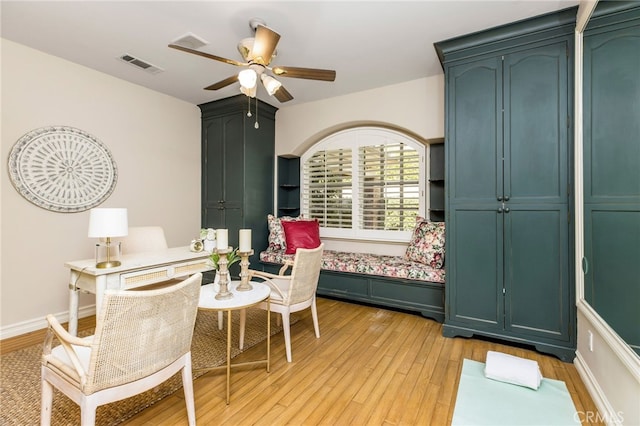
(354, 138)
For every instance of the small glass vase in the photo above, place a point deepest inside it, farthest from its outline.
(209, 245)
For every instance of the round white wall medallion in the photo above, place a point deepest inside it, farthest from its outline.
(62, 169)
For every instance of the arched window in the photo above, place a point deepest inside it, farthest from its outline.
(364, 183)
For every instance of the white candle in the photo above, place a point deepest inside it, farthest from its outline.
(245, 240)
(222, 239)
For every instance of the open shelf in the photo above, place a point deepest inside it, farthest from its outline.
(436, 182)
(288, 186)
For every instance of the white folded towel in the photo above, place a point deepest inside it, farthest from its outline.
(512, 369)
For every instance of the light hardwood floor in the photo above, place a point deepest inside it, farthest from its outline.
(371, 366)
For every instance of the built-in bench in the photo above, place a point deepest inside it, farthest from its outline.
(390, 281)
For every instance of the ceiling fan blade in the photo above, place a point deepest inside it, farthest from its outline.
(283, 95)
(223, 83)
(307, 73)
(264, 45)
(207, 55)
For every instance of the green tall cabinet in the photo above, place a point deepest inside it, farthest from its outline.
(611, 154)
(237, 169)
(508, 148)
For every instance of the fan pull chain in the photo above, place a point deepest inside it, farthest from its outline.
(249, 108)
(256, 125)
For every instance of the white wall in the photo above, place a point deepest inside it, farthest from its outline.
(415, 106)
(155, 141)
(609, 368)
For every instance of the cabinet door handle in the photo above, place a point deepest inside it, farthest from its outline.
(506, 198)
(220, 201)
(499, 198)
(506, 210)
(499, 209)
(585, 265)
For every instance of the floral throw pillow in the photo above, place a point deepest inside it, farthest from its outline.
(427, 243)
(276, 233)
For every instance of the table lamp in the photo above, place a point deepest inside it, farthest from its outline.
(106, 223)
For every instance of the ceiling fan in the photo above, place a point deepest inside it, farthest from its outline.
(257, 53)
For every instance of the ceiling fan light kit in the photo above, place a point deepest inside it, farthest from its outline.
(244, 47)
(248, 78)
(249, 91)
(258, 52)
(270, 83)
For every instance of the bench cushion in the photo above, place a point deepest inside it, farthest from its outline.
(367, 263)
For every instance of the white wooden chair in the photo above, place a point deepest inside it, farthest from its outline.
(144, 238)
(142, 338)
(295, 292)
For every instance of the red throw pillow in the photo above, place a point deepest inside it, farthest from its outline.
(301, 234)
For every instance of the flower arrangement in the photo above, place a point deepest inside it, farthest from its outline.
(208, 238)
(207, 234)
(232, 257)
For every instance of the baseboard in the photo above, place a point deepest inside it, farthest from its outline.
(36, 324)
(606, 412)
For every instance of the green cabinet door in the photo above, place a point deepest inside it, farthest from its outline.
(473, 291)
(538, 291)
(474, 180)
(474, 139)
(612, 176)
(223, 179)
(536, 173)
(212, 173)
(536, 132)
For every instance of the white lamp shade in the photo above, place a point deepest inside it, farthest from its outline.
(270, 83)
(248, 78)
(105, 222)
(249, 92)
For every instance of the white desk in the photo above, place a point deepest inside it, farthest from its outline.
(137, 270)
(240, 301)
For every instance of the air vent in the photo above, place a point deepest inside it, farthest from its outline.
(139, 63)
(190, 40)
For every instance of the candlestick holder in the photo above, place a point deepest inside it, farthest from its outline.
(244, 271)
(223, 293)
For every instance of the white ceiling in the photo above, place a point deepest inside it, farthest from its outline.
(369, 43)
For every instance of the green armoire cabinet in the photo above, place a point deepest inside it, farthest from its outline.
(611, 158)
(237, 169)
(508, 148)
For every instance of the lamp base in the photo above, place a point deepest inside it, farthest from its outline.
(110, 264)
(107, 254)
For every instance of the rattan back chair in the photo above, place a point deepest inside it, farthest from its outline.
(141, 339)
(294, 292)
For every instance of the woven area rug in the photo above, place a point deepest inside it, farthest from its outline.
(20, 374)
